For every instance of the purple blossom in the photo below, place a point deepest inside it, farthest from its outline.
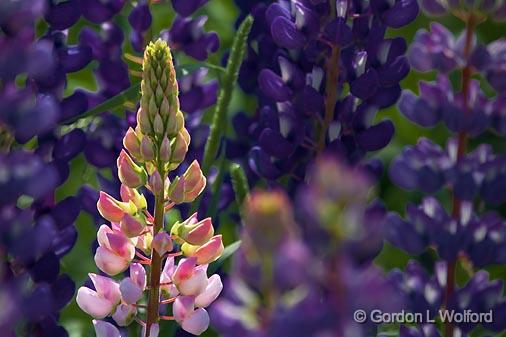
(302, 54)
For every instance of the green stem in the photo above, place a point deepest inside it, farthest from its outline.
(156, 267)
(239, 183)
(218, 126)
(471, 23)
(331, 84)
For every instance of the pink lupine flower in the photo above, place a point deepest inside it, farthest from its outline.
(99, 303)
(132, 195)
(105, 329)
(212, 291)
(115, 251)
(132, 226)
(110, 208)
(206, 253)
(189, 186)
(193, 231)
(124, 314)
(132, 287)
(169, 289)
(129, 173)
(132, 143)
(195, 321)
(189, 278)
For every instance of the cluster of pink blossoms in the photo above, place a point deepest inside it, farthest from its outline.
(177, 258)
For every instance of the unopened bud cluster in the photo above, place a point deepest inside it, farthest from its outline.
(132, 240)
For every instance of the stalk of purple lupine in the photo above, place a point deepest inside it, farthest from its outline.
(35, 233)
(469, 176)
(156, 147)
(308, 54)
(308, 252)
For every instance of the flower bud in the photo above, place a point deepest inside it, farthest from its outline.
(195, 182)
(165, 107)
(193, 231)
(176, 190)
(124, 314)
(165, 150)
(152, 108)
(180, 147)
(147, 149)
(162, 243)
(158, 125)
(105, 329)
(132, 144)
(110, 208)
(130, 173)
(175, 122)
(132, 195)
(143, 122)
(132, 226)
(206, 253)
(155, 183)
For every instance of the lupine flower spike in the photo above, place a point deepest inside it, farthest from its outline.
(136, 238)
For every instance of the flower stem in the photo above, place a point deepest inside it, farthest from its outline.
(471, 23)
(156, 268)
(332, 80)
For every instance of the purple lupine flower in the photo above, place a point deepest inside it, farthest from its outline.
(278, 257)
(465, 235)
(34, 237)
(140, 19)
(495, 9)
(187, 34)
(304, 53)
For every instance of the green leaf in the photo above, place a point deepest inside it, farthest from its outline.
(130, 94)
(229, 250)
(218, 125)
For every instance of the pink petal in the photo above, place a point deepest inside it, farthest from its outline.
(92, 304)
(106, 288)
(212, 291)
(102, 238)
(130, 292)
(104, 329)
(197, 322)
(124, 314)
(184, 270)
(168, 270)
(138, 275)
(108, 262)
(183, 307)
(194, 285)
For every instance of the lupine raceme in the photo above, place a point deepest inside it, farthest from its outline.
(176, 256)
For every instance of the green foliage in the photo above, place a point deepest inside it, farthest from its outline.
(229, 79)
(240, 183)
